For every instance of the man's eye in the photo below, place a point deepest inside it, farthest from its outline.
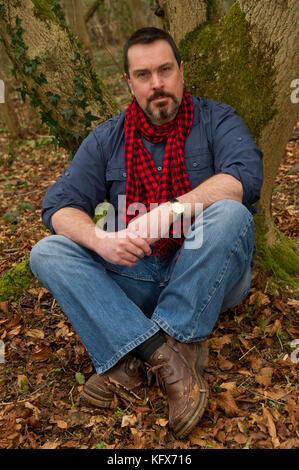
(142, 74)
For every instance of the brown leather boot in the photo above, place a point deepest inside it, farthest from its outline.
(129, 372)
(178, 368)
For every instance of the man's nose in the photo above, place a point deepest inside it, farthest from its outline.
(157, 82)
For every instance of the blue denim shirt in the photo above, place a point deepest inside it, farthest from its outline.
(219, 142)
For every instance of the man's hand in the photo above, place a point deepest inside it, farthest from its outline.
(123, 247)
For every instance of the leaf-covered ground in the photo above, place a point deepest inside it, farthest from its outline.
(252, 370)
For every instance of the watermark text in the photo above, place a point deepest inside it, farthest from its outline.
(295, 93)
(2, 92)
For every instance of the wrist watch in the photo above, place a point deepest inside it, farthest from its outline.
(176, 206)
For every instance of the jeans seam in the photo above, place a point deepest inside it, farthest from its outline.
(167, 327)
(219, 280)
(131, 276)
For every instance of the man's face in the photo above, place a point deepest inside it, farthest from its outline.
(156, 80)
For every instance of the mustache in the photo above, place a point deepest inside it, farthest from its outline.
(159, 94)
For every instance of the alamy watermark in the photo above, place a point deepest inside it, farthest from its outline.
(295, 353)
(186, 225)
(2, 92)
(295, 93)
(2, 352)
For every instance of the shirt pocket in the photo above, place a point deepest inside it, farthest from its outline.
(116, 179)
(199, 166)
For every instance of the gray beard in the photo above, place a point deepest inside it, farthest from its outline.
(164, 113)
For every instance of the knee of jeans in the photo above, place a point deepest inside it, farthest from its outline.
(40, 250)
(229, 214)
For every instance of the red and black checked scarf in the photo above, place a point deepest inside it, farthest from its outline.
(144, 184)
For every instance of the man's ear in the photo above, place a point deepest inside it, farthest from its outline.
(129, 83)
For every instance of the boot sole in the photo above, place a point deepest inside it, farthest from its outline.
(96, 401)
(185, 429)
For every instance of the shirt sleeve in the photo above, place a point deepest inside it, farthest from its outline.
(235, 151)
(81, 185)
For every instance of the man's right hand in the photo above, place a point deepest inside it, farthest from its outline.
(123, 247)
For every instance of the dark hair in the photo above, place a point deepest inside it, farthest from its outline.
(147, 36)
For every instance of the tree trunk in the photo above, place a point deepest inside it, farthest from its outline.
(138, 18)
(74, 13)
(247, 59)
(8, 113)
(277, 22)
(7, 110)
(182, 17)
(91, 10)
(53, 72)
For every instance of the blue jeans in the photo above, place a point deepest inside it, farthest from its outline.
(115, 308)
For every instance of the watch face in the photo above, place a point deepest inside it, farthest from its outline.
(178, 208)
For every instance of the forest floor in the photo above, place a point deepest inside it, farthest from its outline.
(252, 370)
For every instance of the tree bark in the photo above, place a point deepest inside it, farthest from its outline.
(6, 106)
(276, 21)
(53, 72)
(92, 9)
(182, 17)
(138, 18)
(8, 112)
(75, 19)
(272, 31)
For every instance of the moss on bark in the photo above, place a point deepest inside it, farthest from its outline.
(223, 63)
(16, 280)
(281, 260)
(43, 10)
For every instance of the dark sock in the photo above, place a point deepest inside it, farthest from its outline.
(146, 349)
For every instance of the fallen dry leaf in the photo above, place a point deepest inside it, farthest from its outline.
(272, 329)
(228, 385)
(51, 445)
(227, 403)
(42, 354)
(240, 438)
(290, 443)
(259, 299)
(161, 421)
(128, 420)
(217, 343)
(14, 331)
(293, 303)
(61, 424)
(224, 364)
(4, 307)
(264, 377)
(35, 333)
(269, 422)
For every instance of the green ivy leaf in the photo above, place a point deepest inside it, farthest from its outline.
(80, 378)
(72, 100)
(53, 98)
(11, 217)
(40, 79)
(26, 205)
(89, 118)
(67, 113)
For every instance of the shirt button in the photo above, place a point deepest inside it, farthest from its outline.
(159, 168)
(239, 138)
(194, 164)
(124, 173)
